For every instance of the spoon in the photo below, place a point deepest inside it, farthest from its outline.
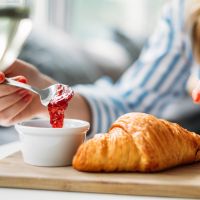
(46, 94)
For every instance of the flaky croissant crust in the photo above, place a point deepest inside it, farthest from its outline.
(138, 142)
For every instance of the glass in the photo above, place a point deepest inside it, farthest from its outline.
(15, 26)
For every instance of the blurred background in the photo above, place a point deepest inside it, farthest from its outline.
(93, 18)
(79, 41)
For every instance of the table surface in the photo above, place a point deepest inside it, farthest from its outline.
(20, 194)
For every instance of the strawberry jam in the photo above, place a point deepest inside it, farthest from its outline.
(58, 104)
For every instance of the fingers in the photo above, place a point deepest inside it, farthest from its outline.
(8, 90)
(32, 110)
(9, 100)
(20, 67)
(2, 77)
(196, 93)
(13, 100)
(21, 79)
(8, 114)
(16, 64)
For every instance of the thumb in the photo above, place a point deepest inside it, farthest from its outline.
(2, 77)
(21, 79)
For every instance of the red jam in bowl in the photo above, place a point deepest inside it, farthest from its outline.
(58, 104)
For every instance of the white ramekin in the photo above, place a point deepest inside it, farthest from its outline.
(42, 145)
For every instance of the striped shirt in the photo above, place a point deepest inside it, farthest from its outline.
(157, 79)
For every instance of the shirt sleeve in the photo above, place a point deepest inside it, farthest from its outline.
(157, 78)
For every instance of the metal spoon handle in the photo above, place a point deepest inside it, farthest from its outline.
(12, 82)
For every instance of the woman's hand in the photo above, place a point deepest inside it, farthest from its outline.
(33, 75)
(196, 93)
(17, 104)
(193, 87)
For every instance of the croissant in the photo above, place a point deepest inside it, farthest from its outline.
(138, 142)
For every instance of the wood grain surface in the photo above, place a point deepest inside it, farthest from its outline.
(178, 182)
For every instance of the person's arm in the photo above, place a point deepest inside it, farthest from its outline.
(157, 78)
(153, 81)
(79, 109)
(17, 104)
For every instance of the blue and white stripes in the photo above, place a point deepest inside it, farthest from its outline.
(155, 80)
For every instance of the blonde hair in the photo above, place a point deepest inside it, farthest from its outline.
(193, 21)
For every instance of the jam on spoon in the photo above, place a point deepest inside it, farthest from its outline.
(58, 104)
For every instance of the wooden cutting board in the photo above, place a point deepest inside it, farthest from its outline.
(178, 182)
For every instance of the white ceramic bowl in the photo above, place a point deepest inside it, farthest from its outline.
(42, 145)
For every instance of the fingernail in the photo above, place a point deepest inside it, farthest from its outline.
(27, 98)
(2, 76)
(196, 95)
(22, 79)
